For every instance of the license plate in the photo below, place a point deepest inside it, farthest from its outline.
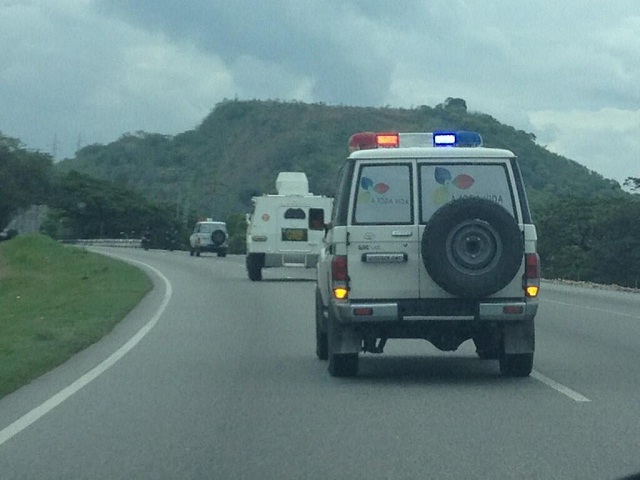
(384, 257)
(294, 234)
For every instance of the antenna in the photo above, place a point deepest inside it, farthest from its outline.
(54, 146)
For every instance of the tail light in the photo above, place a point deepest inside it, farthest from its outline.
(340, 277)
(531, 280)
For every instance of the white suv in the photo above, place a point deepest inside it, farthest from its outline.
(209, 236)
(431, 237)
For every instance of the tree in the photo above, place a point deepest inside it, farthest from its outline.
(456, 105)
(237, 228)
(565, 239)
(632, 182)
(24, 178)
(85, 207)
(616, 242)
(594, 240)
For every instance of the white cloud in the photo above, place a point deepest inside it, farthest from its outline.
(605, 140)
(100, 68)
(71, 74)
(160, 87)
(258, 79)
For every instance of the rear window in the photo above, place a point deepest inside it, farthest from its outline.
(211, 227)
(316, 219)
(383, 195)
(442, 183)
(295, 213)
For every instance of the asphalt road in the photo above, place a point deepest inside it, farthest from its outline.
(215, 376)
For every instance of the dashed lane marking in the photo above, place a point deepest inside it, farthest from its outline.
(572, 394)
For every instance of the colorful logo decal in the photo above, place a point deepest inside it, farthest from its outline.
(367, 188)
(444, 178)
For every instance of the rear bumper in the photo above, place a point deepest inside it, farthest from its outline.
(211, 248)
(291, 259)
(499, 310)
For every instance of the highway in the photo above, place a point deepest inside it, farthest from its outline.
(215, 376)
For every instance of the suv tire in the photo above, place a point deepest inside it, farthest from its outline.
(516, 364)
(322, 342)
(254, 267)
(472, 247)
(486, 348)
(343, 364)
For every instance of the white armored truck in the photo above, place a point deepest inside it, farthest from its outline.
(286, 229)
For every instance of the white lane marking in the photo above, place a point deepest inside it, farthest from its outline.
(34, 415)
(592, 308)
(572, 394)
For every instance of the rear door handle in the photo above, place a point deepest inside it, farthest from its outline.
(401, 233)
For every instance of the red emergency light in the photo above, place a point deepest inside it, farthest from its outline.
(370, 140)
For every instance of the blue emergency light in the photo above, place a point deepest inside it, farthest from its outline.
(458, 138)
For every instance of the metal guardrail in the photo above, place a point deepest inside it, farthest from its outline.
(106, 242)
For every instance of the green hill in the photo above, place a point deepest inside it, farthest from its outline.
(587, 225)
(239, 148)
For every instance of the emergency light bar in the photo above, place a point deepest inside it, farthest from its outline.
(372, 140)
(457, 139)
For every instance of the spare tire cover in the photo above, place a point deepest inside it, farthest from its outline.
(218, 237)
(472, 247)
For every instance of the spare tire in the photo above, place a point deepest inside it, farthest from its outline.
(218, 237)
(472, 247)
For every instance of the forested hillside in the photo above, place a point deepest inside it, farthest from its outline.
(239, 148)
(587, 225)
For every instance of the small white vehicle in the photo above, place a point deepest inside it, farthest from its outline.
(209, 236)
(286, 229)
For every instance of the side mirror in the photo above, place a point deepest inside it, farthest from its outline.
(327, 227)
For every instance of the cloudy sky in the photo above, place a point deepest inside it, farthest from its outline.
(77, 72)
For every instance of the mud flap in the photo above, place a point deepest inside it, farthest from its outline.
(343, 339)
(519, 337)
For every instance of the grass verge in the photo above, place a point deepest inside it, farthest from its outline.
(56, 300)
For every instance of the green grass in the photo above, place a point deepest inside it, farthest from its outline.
(56, 300)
